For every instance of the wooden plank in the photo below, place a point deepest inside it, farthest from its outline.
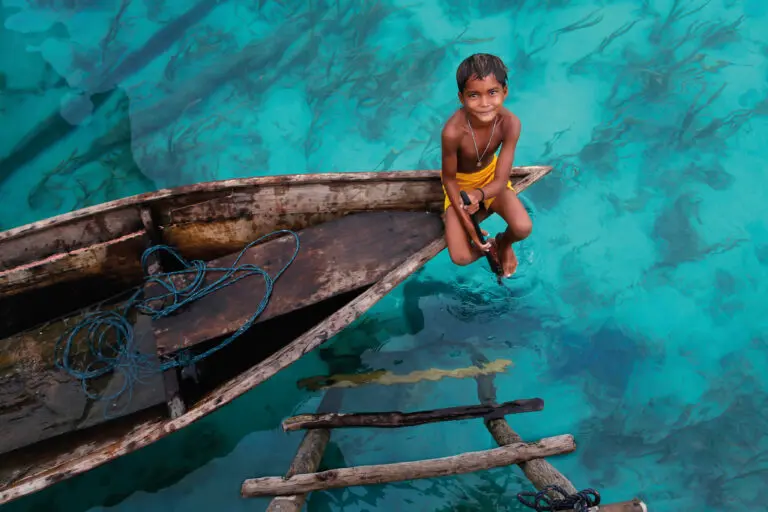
(117, 260)
(23, 246)
(277, 201)
(336, 257)
(399, 419)
(201, 225)
(429, 468)
(39, 401)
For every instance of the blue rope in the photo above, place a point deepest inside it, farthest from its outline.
(109, 335)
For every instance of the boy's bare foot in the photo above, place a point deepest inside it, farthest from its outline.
(507, 256)
(494, 251)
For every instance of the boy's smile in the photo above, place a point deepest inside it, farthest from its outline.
(483, 98)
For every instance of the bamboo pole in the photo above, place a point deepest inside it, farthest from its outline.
(429, 468)
(399, 419)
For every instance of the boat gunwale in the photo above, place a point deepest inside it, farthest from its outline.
(147, 198)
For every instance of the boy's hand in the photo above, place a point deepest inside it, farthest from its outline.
(474, 201)
(483, 247)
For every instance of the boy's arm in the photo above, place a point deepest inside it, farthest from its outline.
(450, 150)
(506, 157)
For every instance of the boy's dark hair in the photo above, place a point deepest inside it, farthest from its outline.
(480, 65)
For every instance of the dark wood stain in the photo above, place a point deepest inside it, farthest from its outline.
(39, 401)
(334, 257)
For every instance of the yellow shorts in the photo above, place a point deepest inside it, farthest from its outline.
(479, 179)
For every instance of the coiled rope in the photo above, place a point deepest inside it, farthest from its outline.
(109, 344)
(581, 501)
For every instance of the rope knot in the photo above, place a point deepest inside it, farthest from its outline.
(581, 501)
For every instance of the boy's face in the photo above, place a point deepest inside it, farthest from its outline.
(483, 99)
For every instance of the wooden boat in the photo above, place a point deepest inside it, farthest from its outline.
(360, 234)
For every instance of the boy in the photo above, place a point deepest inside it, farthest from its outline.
(470, 140)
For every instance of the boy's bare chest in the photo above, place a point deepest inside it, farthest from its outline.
(477, 153)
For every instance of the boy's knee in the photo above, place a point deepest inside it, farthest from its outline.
(461, 259)
(521, 229)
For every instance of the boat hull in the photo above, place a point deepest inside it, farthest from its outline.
(205, 221)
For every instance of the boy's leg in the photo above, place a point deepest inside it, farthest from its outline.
(519, 226)
(460, 248)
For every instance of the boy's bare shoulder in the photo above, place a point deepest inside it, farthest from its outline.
(453, 130)
(510, 122)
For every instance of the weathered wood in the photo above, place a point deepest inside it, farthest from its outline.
(65, 234)
(521, 178)
(172, 200)
(26, 471)
(173, 397)
(339, 256)
(635, 505)
(211, 225)
(88, 455)
(211, 219)
(540, 472)
(308, 456)
(399, 419)
(307, 460)
(39, 401)
(429, 468)
(116, 260)
(386, 378)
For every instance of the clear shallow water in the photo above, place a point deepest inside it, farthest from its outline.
(636, 316)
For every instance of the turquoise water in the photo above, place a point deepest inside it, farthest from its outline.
(636, 315)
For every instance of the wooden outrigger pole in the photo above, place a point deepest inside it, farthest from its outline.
(308, 456)
(301, 483)
(303, 476)
(539, 472)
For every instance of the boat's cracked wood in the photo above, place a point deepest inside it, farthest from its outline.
(336, 257)
(31, 469)
(45, 471)
(39, 401)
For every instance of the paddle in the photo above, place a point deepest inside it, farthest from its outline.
(492, 262)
